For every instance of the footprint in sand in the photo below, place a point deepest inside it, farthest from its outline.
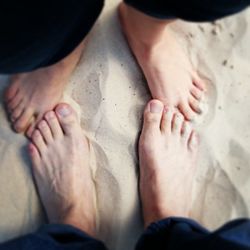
(217, 199)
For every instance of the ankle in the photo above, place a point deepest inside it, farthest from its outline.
(77, 217)
(141, 28)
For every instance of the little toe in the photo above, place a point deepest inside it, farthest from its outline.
(54, 125)
(195, 105)
(177, 123)
(38, 141)
(198, 82)
(197, 93)
(34, 155)
(67, 118)
(186, 132)
(45, 131)
(166, 122)
(153, 115)
(187, 111)
(23, 121)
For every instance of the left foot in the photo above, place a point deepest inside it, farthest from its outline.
(168, 154)
(32, 94)
(169, 73)
(60, 157)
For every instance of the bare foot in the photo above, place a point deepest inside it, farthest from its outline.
(31, 94)
(167, 152)
(169, 73)
(60, 158)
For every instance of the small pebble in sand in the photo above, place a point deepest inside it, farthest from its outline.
(220, 108)
(232, 35)
(224, 63)
(231, 67)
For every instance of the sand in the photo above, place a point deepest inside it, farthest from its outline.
(109, 92)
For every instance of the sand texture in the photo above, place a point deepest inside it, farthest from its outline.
(109, 91)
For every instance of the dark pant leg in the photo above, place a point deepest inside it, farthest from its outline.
(35, 34)
(190, 10)
(55, 237)
(185, 234)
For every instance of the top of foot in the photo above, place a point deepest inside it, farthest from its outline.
(167, 152)
(169, 73)
(60, 157)
(31, 95)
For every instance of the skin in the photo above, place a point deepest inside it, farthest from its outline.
(60, 158)
(167, 152)
(30, 95)
(169, 73)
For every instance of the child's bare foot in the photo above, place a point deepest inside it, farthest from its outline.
(31, 94)
(60, 157)
(169, 73)
(167, 152)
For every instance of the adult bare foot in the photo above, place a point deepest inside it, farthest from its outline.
(169, 73)
(167, 152)
(31, 94)
(60, 158)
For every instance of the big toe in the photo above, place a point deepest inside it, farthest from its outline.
(67, 118)
(153, 115)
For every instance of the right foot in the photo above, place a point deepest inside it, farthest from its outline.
(60, 158)
(167, 152)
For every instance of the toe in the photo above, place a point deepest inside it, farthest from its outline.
(34, 155)
(195, 105)
(198, 82)
(153, 115)
(54, 124)
(187, 111)
(67, 118)
(177, 123)
(38, 141)
(16, 112)
(15, 102)
(10, 93)
(32, 125)
(196, 93)
(45, 131)
(193, 141)
(23, 121)
(186, 132)
(166, 122)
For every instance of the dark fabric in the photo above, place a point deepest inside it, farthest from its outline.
(185, 234)
(55, 237)
(190, 10)
(34, 34)
(169, 234)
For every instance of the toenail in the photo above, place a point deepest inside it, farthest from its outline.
(63, 111)
(155, 107)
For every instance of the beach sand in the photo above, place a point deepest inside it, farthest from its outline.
(110, 92)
